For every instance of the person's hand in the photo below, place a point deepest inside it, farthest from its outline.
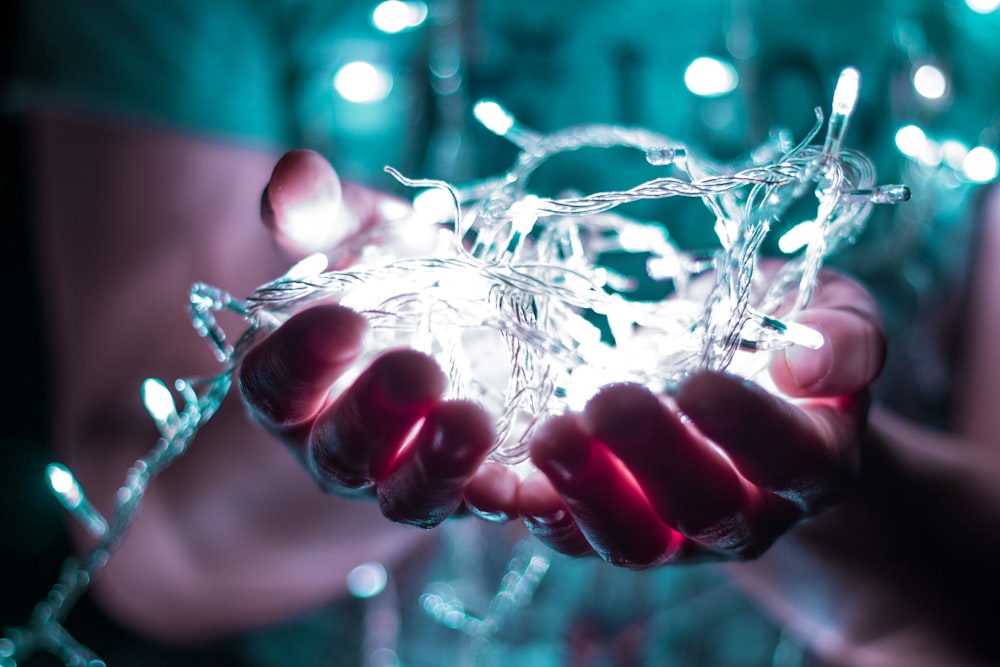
(722, 469)
(390, 434)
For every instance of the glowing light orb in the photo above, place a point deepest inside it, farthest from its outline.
(983, 6)
(494, 117)
(367, 580)
(911, 141)
(362, 82)
(63, 483)
(394, 16)
(930, 82)
(710, 77)
(797, 237)
(981, 165)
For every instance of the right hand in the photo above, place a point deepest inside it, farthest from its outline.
(390, 435)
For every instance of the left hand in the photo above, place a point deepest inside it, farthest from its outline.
(722, 469)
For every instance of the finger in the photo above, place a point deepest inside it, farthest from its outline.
(547, 517)
(302, 204)
(355, 439)
(426, 481)
(693, 488)
(492, 492)
(807, 455)
(609, 508)
(284, 380)
(854, 345)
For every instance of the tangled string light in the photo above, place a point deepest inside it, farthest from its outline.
(512, 301)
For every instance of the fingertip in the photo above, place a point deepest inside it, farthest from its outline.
(560, 448)
(404, 377)
(548, 518)
(284, 379)
(851, 357)
(492, 492)
(303, 202)
(621, 412)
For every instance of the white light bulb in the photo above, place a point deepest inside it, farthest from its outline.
(394, 16)
(911, 141)
(797, 237)
(62, 481)
(930, 82)
(710, 77)
(494, 117)
(158, 401)
(981, 165)
(362, 82)
(845, 95)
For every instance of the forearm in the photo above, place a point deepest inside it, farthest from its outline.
(895, 576)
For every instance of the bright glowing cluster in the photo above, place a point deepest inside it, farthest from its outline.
(511, 298)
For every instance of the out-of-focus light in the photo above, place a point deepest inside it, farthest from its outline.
(911, 141)
(362, 82)
(493, 116)
(158, 401)
(930, 82)
(710, 77)
(63, 483)
(367, 580)
(394, 16)
(983, 6)
(797, 237)
(954, 152)
(932, 155)
(981, 165)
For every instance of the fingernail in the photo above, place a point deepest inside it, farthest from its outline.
(809, 367)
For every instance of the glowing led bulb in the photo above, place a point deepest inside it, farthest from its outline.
(158, 401)
(930, 82)
(494, 117)
(710, 77)
(797, 237)
(70, 495)
(981, 165)
(911, 141)
(362, 82)
(64, 484)
(394, 16)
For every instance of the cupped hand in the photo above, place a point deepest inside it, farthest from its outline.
(723, 468)
(390, 434)
(718, 471)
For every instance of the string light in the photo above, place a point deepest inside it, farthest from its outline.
(517, 279)
(520, 272)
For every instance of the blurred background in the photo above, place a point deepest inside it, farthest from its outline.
(370, 84)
